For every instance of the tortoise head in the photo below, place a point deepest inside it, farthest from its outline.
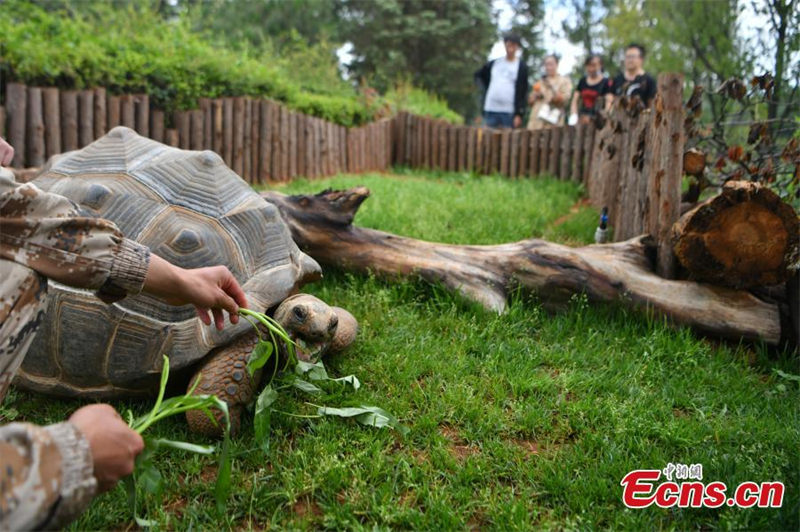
(316, 327)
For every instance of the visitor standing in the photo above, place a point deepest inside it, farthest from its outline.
(590, 94)
(549, 96)
(633, 81)
(505, 82)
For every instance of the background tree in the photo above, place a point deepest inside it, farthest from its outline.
(781, 42)
(527, 23)
(436, 45)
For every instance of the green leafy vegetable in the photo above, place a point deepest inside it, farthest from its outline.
(146, 475)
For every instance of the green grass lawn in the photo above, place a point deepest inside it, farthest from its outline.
(525, 420)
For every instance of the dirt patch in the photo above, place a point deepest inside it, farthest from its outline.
(306, 507)
(209, 473)
(529, 447)
(458, 446)
(572, 212)
(420, 456)
(176, 507)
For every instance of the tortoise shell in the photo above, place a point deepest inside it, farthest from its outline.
(189, 208)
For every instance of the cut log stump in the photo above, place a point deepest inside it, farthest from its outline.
(743, 238)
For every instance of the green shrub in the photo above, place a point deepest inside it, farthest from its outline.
(133, 49)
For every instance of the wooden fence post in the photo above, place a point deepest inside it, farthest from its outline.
(35, 126)
(69, 120)
(16, 109)
(238, 135)
(666, 168)
(564, 169)
(247, 139)
(85, 117)
(127, 111)
(554, 158)
(523, 168)
(513, 163)
(195, 129)
(577, 153)
(227, 131)
(100, 113)
(588, 155)
(171, 137)
(208, 121)
(265, 142)
(216, 126)
(505, 145)
(113, 109)
(142, 110)
(2, 121)
(544, 150)
(157, 125)
(183, 123)
(534, 152)
(52, 121)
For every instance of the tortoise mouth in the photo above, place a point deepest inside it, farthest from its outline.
(308, 351)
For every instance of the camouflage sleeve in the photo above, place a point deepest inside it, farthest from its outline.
(46, 476)
(46, 233)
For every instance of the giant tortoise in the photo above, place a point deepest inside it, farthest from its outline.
(192, 210)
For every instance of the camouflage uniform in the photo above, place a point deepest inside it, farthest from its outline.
(46, 473)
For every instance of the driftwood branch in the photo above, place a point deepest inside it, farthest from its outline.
(322, 225)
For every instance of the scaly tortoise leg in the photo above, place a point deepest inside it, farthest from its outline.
(224, 374)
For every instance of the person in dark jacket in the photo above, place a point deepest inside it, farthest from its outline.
(505, 82)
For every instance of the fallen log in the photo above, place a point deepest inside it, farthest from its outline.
(322, 226)
(744, 237)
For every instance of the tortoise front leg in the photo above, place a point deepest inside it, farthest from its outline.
(224, 374)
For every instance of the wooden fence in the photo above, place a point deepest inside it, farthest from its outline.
(259, 139)
(633, 165)
(563, 152)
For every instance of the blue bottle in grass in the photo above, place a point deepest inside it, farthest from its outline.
(601, 233)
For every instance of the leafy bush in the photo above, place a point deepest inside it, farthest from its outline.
(133, 49)
(404, 96)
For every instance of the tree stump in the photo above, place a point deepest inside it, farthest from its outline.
(742, 238)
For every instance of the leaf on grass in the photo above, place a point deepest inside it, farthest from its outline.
(305, 386)
(366, 415)
(259, 356)
(787, 376)
(352, 380)
(315, 372)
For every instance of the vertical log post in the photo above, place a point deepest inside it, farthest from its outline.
(247, 147)
(666, 169)
(505, 149)
(113, 112)
(534, 152)
(16, 109)
(238, 135)
(127, 111)
(564, 168)
(85, 117)
(35, 126)
(264, 140)
(544, 150)
(523, 165)
(157, 125)
(69, 120)
(142, 110)
(208, 122)
(195, 129)
(100, 113)
(171, 137)
(52, 121)
(216, 126)
(227, 131)
(513, 163)
(554, 159)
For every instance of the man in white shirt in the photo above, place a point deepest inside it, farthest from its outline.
(505, 81)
